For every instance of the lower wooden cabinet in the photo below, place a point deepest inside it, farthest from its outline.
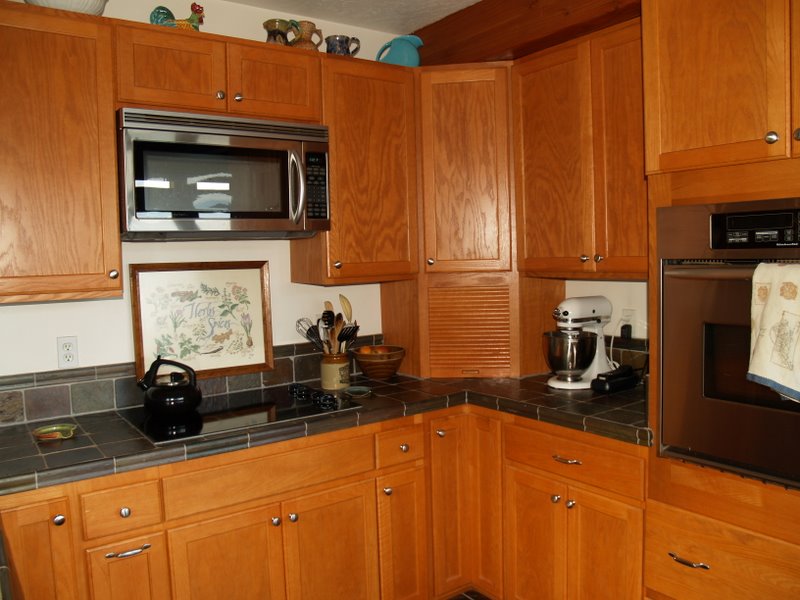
(692, 557)
(135, 569)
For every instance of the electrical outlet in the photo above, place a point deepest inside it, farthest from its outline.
(628, 315)
(67, 348)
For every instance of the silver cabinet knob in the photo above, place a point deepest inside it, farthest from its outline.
(430, 261)
(293, 517)
(796, 134)
(388, 491)
(688, 563)
(276, 521)
(583, 258)
(771, 137)
(404, 447)
(124, 512)
(598, 258)
(337, 264)
(555, 498)
(570, 503)
(220, 95)
(440, 432)
(238, 97)
(113, 274)
(59, 520)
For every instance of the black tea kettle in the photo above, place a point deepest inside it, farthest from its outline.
(173, 396)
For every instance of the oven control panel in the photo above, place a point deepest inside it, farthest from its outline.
(767, 229)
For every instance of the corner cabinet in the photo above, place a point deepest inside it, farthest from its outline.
(717, 76)
(369, 109)
(581, 194)
(59, 225)
(187, 70)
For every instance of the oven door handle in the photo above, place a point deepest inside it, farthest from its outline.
(729, 273)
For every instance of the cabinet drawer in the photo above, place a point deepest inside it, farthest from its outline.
(399, 446)
(214, 488)
(607, 469)
(120, 509)
(741, 564)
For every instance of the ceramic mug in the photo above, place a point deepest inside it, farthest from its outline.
(278, 31)
(340, 44)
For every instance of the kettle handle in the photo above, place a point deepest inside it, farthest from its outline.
(150, 377)
(383, 49)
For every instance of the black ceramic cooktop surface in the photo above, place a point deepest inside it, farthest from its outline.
(241, 410)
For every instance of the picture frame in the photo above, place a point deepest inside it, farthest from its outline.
(214, 316)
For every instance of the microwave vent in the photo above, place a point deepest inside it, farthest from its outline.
(194, 123)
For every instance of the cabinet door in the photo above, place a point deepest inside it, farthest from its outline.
(552, 96)
(403, 535)
(331, 544)
(239, 556)
(620, 198)
(450, 507)
(535, 534)
(135, 569)
(59, 227)
(464, 129)
(369, 109)
(170, 68)
(38, 542)
(716, 81)
(604, 555)
(275, 83)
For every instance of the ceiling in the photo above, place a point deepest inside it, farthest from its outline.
(389, 16)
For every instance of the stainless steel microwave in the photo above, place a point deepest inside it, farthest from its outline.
(187, 176)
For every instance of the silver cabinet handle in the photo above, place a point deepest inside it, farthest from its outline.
(128, 553)
(555, 498)
(238, 97)
(337, 264)
(404, 447)
(124, 512)
(583, 257)
(293, 517)
(388, 491)
(59, 520)
(296, 165)
(566, 461)
(570, 503)
(771, 137)
(220, 95)
(598, 258)
(276, 521)
(796, 134)
(113, 274)
(430, 261)
(440, 432)
(688, 563)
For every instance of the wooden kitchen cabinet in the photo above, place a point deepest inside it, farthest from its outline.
(59, 226)
(188, 70)
(717, 77)
(581, 196)
(369, 110)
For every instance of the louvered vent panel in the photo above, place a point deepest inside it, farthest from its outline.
(470, 331)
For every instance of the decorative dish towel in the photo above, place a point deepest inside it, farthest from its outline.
(775, 328)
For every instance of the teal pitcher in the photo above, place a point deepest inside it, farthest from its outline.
(402, 51)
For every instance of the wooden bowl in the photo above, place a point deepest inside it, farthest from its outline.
(379, 362)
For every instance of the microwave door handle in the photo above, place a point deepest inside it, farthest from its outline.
(299, 199)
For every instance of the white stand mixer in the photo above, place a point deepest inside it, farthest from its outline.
(576, 315)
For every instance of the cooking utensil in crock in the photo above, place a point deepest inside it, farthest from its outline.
(171, 395)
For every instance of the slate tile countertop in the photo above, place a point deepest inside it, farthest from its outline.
(106, 443)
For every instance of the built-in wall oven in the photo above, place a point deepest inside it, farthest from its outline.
(709, 412)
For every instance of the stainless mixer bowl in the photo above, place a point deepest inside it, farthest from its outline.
(569, 353)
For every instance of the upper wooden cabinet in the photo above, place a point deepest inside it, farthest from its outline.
(59, 226)
(165, 67)
(369, 109)
(716, 82)
(581, 196)
(464, 127)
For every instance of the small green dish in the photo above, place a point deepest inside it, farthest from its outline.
(358, 391)
(60, 431)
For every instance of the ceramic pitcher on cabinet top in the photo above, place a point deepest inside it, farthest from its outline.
(281, 31)
(342, 44)
(402, 50)
(305, 39)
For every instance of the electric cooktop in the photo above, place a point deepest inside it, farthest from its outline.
(239, 410)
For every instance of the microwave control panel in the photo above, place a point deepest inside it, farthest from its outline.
(316, 185)
(769, 229)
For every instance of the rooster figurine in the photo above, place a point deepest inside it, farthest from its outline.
(161, 15)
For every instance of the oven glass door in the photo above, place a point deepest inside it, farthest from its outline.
(710, 412)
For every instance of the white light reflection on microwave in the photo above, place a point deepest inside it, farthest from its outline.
(161, 184)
